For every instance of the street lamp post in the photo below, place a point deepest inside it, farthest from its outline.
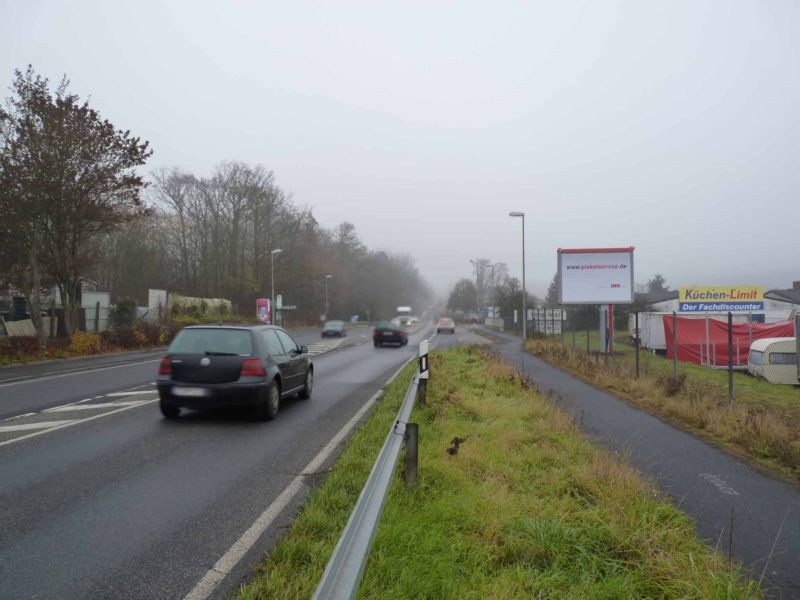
(492, 294)
(272, 275)
(327, 306)
(524, 308)
(477, 291)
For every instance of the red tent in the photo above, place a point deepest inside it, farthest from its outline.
(711, 347)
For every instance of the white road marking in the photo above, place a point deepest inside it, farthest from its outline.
(69, 407)
(719, 483)
(76, 422)
(136, 393)
(211, 580)
(20, 416)
(27, 426)
(80, 372)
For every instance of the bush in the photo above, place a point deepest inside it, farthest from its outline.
(23, 345)
(151, 333)
(123, 313)
(83, 342)
(122, 337)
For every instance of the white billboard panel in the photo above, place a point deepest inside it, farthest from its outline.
(595, 275)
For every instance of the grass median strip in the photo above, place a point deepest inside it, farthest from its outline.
(512, 502)
(763, 423)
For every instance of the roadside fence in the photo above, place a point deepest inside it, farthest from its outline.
(345, 568)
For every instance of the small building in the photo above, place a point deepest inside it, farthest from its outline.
(782, 304)
(774, 359)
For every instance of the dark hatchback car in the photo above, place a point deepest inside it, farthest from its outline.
(387, 333)
(212, 367)
(334, 329)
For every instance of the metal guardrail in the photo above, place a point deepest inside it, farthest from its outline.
(346, 566)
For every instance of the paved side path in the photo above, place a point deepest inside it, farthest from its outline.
(704, 481)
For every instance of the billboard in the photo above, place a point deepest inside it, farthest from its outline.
(595, 275)
(721, 298)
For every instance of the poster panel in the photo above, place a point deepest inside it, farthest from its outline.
(595, 275)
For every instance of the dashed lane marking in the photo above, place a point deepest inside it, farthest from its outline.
(99, 405)
(28, 426)
(132, 393)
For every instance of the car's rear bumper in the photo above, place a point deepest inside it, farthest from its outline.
(213, 395)
(390, 339)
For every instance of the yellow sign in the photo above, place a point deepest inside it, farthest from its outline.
(721, 298)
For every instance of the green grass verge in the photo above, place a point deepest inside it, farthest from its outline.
(526, 508)
(763, 422)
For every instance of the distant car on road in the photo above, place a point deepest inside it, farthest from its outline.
(334, 329)
(254, 366)
(445, 324)
(386, 332)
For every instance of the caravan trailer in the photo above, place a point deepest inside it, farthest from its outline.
(774, 359)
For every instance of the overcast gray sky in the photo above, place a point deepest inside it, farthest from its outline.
(672, 126)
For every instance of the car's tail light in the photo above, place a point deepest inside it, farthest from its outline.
(376, 333)
(165, 368)
(252, 367)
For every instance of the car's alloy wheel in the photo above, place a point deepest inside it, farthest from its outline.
(305, 393)
(267, 406)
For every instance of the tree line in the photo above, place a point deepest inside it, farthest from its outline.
(75, 206)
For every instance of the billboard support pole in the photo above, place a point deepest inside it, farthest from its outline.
(611, 328)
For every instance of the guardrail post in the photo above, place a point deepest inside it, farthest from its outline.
(412, 454)
(424, 371)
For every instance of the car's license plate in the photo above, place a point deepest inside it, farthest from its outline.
(189, 392)
(387, 333)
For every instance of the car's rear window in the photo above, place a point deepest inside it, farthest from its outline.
(385, 325)
(212, 340)
(334, 324)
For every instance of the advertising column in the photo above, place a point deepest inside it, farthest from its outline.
(262, 310)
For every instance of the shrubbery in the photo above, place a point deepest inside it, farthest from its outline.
(123, 313)
(84, 342)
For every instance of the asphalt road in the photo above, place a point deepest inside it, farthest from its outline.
(114, 501)
(703, 480)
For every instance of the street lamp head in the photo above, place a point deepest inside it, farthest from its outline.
(516, 213)
(276, 251)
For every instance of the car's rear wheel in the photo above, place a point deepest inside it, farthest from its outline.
(305, 393)
(169, 411)
(266, 407)
(377, 344)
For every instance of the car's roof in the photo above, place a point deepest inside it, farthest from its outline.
(226, 326)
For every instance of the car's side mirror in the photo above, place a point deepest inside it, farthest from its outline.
(303, 349)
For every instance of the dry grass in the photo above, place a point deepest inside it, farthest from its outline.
(763, 423)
